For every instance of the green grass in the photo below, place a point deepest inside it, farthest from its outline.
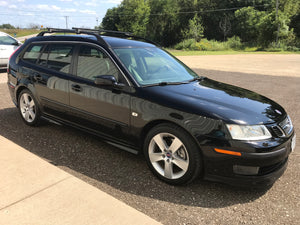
(20, 32)
(227, 52)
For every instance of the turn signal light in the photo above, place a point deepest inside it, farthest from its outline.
(227, 152)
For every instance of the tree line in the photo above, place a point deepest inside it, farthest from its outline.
(168, 22)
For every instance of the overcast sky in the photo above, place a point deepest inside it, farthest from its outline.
(52, 13)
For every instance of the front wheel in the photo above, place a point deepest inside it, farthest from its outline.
(172, 154)
(28, 108)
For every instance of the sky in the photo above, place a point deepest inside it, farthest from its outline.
(54, 13)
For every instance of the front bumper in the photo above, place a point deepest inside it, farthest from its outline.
(260, 166)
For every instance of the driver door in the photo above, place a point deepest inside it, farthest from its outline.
(100, 108)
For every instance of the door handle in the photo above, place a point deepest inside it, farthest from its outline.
(76, 87)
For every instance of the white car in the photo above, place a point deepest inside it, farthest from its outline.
(8, 45)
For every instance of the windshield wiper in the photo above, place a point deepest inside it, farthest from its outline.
(198, 79)
(164, 83)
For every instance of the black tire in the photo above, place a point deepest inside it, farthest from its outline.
(184, 162)
(28, 108)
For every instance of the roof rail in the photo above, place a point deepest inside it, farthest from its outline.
(113, 33)
(97, 34)
(75, 31)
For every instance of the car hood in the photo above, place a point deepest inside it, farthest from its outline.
(217, 100)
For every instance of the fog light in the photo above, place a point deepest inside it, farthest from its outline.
(245, 170)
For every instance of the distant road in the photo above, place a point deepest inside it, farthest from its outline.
(26, 37)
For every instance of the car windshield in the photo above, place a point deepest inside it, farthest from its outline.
(153, 66)
(7, 40)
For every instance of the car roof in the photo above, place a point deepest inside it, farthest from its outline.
(114, 42)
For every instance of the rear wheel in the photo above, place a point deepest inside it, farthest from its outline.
(172, 154)
(28, 108)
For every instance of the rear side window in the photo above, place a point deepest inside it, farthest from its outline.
(32, 53)
(57, 57)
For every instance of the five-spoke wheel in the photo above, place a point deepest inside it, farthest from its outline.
(172, 154)
(28, 108)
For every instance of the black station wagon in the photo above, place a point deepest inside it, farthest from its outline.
(140, 98)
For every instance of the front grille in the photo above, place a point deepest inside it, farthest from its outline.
(277, 130)
(284, 128)
(286, 125)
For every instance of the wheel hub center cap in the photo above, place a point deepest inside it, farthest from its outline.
(169, 155)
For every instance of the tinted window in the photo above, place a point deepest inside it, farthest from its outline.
(57, 57)
(6, 40)
(32, 53)
(93, 62)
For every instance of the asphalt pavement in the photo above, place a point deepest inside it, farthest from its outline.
(126, 177)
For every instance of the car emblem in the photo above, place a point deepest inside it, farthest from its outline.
(276, 110)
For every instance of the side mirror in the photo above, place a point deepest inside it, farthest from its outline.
(16, 43)
(108, 80)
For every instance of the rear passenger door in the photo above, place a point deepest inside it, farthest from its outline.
(101, 108)
(50, 75)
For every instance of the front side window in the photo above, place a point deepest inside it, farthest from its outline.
(57, 57)
(32, 53)
(92, 62)
(153, 66)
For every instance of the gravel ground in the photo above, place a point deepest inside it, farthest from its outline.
(126, 176)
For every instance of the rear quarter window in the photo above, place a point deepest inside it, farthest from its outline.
(32, 53)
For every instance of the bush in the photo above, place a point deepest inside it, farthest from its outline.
(235, 43)
(210, 45)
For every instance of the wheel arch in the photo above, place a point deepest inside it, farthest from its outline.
(18, 92)
(154, 123)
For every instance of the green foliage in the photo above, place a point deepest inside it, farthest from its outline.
(133, 16)
(7, 26)
(210, 45)
(248, 23)
(20, 32)
(195, 29)
(172, 21)
(234, 43)
(111, 19)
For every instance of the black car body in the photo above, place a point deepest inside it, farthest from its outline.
(198, 113)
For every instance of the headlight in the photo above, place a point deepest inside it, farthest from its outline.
(255, 132)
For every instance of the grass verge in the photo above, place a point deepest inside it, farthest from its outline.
(20, 32)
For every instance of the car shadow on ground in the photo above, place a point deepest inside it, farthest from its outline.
(92, 160)
(123, 174)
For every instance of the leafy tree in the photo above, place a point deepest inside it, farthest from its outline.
(111, 19)
(170, 21)
(195, 29)
(268, 28)
(164, 25)
(7, 26)
(247, 27)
